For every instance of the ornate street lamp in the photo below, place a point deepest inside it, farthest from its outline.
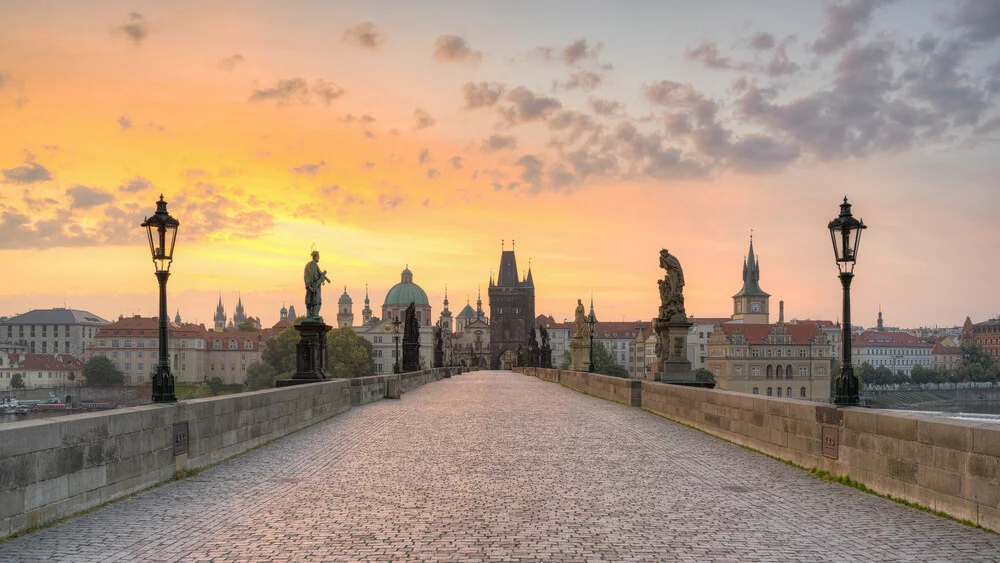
(395, 333)
(592, 321)
(845, 231)
(162, 231)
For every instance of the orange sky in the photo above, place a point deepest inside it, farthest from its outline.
(262, 155)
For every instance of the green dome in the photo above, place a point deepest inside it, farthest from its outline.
(406, 291)
(345, 298)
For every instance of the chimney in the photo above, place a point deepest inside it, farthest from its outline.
(781, 311)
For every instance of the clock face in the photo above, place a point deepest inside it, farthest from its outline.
(755, 307)
(388, 327)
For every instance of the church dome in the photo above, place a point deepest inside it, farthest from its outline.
(345, 299)
(406, 291)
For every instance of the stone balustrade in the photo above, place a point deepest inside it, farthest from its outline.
(949, 465)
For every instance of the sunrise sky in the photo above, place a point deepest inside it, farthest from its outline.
(424, 133)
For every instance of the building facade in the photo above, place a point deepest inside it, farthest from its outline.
(52, 331)
(512, 311)
(986, 334)
(898, 351)
(40, 370)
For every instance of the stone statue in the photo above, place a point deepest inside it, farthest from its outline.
(411, 327)
(314, 279)
(671, 288)
(580, 321)
(544, 333)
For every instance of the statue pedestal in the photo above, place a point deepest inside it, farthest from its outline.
(673, 366)
(411, 356)
(310, 353)
(579, 353)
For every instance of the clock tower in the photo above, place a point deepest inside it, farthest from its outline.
(751, 305)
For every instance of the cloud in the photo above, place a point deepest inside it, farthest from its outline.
(452, 48)
(531, 170)
(525, 106)
(125, 122)
(846, 21)
(307, 169)
(579, 50)
(84, 198)
(605, 107)
(988, 126)
(135, 185)
(498, 142)
(135, 30)
(979, 19)
(364, 35)
(296, 90)
(583, 80)
(762, 41)
(456, 162)
(482, 94)
(351, 118)
(387, 202)
(367, 165)
(424, 119)
(707, 53)
(424, 156)
(433, 173)
(780, 64)
(4, 79)
(230, 63)
(29, 173)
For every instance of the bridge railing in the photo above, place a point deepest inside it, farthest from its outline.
(949, 465)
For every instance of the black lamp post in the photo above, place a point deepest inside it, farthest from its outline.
(845, 231)
(162, 231)
(395, 333)
(592, 321)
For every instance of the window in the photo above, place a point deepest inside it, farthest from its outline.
(769, 392)
(755, 353)
(755, 391)
(803, 372)
(248, 344)
(755, 371)
(788, 392)
(232, 345)
(217, 345)
(140, 366)
(779, 391)
(802, 352)
(802, 392)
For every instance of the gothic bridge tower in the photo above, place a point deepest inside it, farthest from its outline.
(512, 311)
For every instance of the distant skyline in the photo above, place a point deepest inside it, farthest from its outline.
(594, 134)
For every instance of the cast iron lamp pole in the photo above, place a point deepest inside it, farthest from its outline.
(161, 229)
(845, 231)
(592, 321)
(395, 332)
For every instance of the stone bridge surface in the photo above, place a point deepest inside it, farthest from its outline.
(495, 466)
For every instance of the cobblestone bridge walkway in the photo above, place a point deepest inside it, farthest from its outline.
(494, 466)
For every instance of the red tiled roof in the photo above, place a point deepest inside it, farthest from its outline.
(874, 338)
(819, 323)
(256, 338)
(708, 320)
(51, 362)
(621, 329)
(943, 350)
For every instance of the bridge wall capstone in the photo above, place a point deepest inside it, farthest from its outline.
(52, 468)
(625, 391)
(949, 465)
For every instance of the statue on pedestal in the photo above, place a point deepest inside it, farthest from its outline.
(671, 288)
(411, 339)
(580, 321)
(672, 327)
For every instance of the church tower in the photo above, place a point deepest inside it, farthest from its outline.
(366, 313)
(751, 305)
(879, 324)
(283, 314)
(177, 318)
(220, 316)
(240, 315)
(445, 321)
(512, 311)
(345, 310)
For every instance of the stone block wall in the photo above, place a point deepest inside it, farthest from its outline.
(624, 391)
(369, 389)
(949, 465)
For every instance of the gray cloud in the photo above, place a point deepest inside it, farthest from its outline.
(84, 198)
(846, 21)
(432, 173)
(531, 170)
(525, 106)
(780, 64)
(387, 202)
(606, 107)
(452, 48)
(28, 173)
(125, 122)
(498, 142)
(583, 80)
(135, 185)
(482, 94)
(367, 165)
(762, 41)
(456, 162)
(580, 50)
(297, 90)
(707, 53)
(364, 35)
(351, 118)
(424, 119)
(424, 157)
(135, 30)
(230, 63)
(309, 169)
(979, 19)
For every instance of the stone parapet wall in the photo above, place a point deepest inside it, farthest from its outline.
(51, 468)
(625, 391)
(949, 465)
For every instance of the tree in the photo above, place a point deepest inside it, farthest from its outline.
(974, 365)
(248, 325)
(702, 375)
(921, 374)
(279, 352)
(215, 385)
(564, 364)
(605, 364)
(100, 372)
(17, 381)
(260, 375)
(347, 354)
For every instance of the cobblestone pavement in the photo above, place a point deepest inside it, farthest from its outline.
(495, 466)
